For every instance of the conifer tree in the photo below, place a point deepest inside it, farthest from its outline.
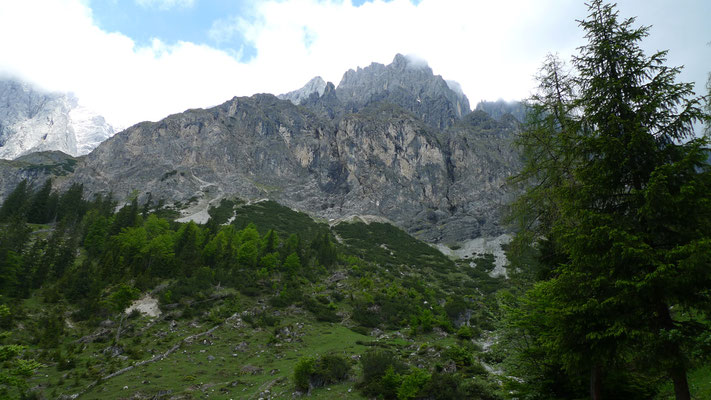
(39, 211)
(620, 202)
(16, 202)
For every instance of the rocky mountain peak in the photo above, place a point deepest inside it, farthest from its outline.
(34, 120)
(315, 85)
(408, 82)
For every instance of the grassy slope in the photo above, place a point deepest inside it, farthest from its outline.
(268, 360)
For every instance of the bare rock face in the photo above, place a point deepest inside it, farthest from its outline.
(382, 160)
(408, 83)
(316, 85)
(393, 142)
(32, 120)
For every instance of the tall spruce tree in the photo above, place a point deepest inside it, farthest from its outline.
(619, 202)
(15, 205)
(39, 211)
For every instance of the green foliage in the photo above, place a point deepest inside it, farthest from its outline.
(330, 369)
(303, 371)
(616, 187)
(381, 373)
(16, 203)
(222, 213)
(388, 245)
(42, 208)
(461, 356)
(72, 205)
(94, 262)
(321, 312)
(269, 215)
(16, 369)
(317, 372)
(122, 297)
(412, 384)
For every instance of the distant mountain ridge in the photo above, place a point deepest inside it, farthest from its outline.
(395, 142)
(391, 141)
(497, 109)
(32, 120)
(407, 82)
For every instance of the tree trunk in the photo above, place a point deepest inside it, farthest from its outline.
(681, 385)
(596, 382)
(677, 370)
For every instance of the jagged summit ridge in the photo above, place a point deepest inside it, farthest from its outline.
(32, 120)
(407, 82)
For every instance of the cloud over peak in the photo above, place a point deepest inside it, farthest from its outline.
(493, 49)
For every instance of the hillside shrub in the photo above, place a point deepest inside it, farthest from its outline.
(412, 384)
(317, 372)
(302, 373)
(376, 365)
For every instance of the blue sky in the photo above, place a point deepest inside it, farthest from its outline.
(175, 20)
(187, 23)
(135, 60)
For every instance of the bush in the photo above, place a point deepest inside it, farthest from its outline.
(461, 356)
(330, 369)
(412, 384)
(380, 374)
(322, 312)
(465, 333)
(443, 387)
(390, 383)
(261, 320)
(302, 373)
(310, 372)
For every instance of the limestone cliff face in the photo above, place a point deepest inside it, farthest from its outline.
(390, 141)
(382, 160)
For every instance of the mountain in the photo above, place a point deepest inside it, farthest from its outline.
(408, 83)
(32, 120)
(315, 85)
(367, 147)
(35, 168)
(497, 109)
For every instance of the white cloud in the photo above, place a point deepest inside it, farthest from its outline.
(166, 4)
(492, 48)
(226, 29)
